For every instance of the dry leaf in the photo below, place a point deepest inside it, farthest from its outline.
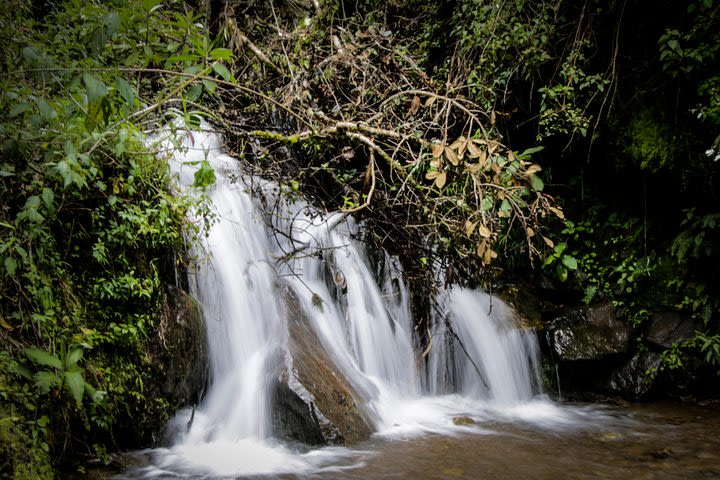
(474, 151)
(437, 150)
(511, 156)
(481, 248)
(549, 242)
(452, 158)
(432, 174)
(458, 143)
(492, 146)
(430, 101)
(559, 213)
(533, 169)
(487, 256)
(529, 231)
(473, 167)
(414, 105)
(440, 180)
(469, 227)
(484, 231)
(4, 324)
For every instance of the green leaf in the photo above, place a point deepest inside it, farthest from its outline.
(537, 183)
(10, 266)
(194, 92)
(43, 358)
(125, 90)
(222, 70)
(48, 196)
(75, 384)
(527, 153)
(18, 109)
(562, 272)
(94, 87)
(112, 21)
(30, 55)
(96, 396)
(47, 112)
(205, 176)
(73, 357)
(569, 262)
(221, 54)
(46, 381)
(209, 85)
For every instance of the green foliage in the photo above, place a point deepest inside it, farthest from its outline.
(650, 141)
(88, 224)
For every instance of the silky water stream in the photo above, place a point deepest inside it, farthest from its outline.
(472, 408)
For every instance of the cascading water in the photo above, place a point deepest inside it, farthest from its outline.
(361, 316)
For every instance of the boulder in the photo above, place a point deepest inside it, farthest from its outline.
(181, 357)
(338, 405)
(590, 333)
(293, 420)
(668, 328)
(635, 378)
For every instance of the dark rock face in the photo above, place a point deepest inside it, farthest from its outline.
(670, 327)
(590, 333)
(292, 420)
(181, 359)
(635, 378)
(338, 405)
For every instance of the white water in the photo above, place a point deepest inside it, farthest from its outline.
(480, 364)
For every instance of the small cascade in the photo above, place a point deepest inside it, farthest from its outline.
(357, 308)
(480, 352)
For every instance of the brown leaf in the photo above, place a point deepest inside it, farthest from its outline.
(452, 158)
(481, 248)
(438, 150)
(533, 169)
(432, 174)
(559, 213)
(492, 146)
(440, 180)
(487, 256)
(529, 231)
(473, 150)
(511, 156)
(469, 227)
(430, 101)
(484, 231)
(414, 105)
(473, 167)
(458, 143)
(549, 242)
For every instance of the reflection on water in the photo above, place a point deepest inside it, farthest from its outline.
(538, 441)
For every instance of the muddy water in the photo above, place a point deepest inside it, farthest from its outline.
(639, 442)
(652, 441)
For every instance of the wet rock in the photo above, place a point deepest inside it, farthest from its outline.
(181, 354)
(635, 378)
(339, 406)
(668, 328)
(463, 421)
(293, 420)
(590, 333)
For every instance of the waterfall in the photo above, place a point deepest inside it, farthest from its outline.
(358, 309)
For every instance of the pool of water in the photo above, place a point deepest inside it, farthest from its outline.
(545, 441)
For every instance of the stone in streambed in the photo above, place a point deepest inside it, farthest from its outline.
(590, 333)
